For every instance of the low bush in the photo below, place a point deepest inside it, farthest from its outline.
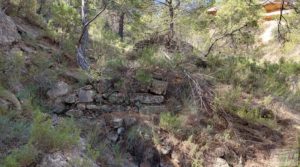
(255, 116)
(265, 78)
(11, 67)
(24, 156)
(169, 122)
(47, 138)
(143, 76)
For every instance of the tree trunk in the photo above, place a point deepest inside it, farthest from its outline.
(171, 13)
(121, 26)
(81, 50)
(84, 19)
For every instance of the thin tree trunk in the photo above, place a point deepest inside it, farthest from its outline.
(171, 14)
(121, 26)
(81, 50)
(84, 13)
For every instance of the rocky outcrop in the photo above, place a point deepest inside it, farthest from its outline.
(8, 30)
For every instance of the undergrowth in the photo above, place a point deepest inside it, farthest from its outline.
(256, 78)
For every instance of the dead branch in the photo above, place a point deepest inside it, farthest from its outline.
(201, 92)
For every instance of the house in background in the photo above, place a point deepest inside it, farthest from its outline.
(272, 8)
(275, 5)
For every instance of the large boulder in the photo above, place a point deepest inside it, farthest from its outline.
(8, 30)
(147, 98)
(60, 89)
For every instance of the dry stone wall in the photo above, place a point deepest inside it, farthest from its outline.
(103, 97)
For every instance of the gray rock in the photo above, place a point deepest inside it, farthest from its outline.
(153, 109)
(60, 89)
(165, 150)
(10, 97)
(81, 106)
(119, 108)
(87, 87)
(70, 99)
(158, 87)
(54, 160)
(147, 98)
(113, 137)
(98, 98)
(92, 107)
(8, 30)
(74, 113)
(116, 98)
(58, 106)
(121, 131)
(28, 49)
(139, 86)
(103, 85)
(67, 159)
(130, 121)
(76, 76)
(220, 162)
(4, 105)
(86, 96)
(27, 29)
(106, 108)
(294, 84)
(117, 122)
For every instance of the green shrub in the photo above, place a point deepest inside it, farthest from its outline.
(228, 100)
(11, 67)
(93, 153)
(254, 115)
(48, 138)
(143, 76)
(252, 76)
(14, 130)
(169, 122)
(24, 156)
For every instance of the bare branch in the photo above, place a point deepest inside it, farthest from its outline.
(222, 37)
